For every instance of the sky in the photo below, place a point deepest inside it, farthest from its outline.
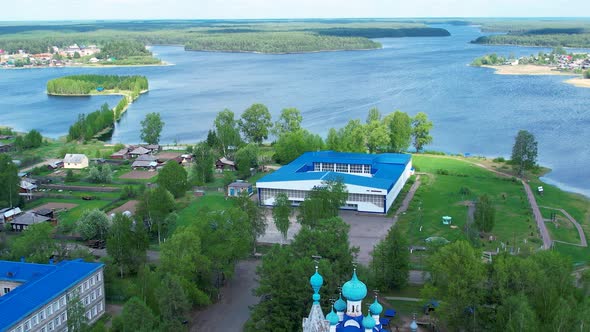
(26, 10)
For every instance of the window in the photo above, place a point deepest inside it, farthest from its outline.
(86, 300)
(99, 291)
(6, 290)
(88, 314)
(55, 306)
(50, 326)
(43, 329)
(100, 306)
(57, 321)
(62, 301)
(98, 277)
(342, 168)
(41, 315)
(94, 311)
(27, 326)
(35, 320)
(64, 316)
(49, 311)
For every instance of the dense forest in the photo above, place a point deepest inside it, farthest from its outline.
(87, 84)
(536, 39)
(87, 126)
(278, 42)
(310, 35)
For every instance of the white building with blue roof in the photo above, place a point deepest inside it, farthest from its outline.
(373, 181)
(35, 297)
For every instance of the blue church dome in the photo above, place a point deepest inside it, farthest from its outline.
(376, 308)
(332, 318)
(340, 305)
(368, 322)
(354, 289)
(316, 281)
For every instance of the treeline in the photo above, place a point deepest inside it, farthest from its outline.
(85, 84)
(383, 32)
(545, 40)
(87, 126)
(277, 42)
(122, 49)
(513, 293)
(488, 60)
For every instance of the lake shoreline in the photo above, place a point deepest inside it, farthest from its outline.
(163, 64)
(534, 70)
(284, 53)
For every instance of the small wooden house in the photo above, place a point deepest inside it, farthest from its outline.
(237, 188)
(225, 164)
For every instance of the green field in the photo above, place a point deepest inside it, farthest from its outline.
(211, 201)
(440, 195)
(70, 217)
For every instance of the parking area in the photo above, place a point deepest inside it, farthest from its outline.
(366, 230)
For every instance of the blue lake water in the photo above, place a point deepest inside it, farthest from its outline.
(473, 110)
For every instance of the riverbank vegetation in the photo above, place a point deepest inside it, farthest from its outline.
(87, 126)
(211, 35)
(97, 84)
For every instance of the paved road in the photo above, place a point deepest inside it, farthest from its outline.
(232, 311)
(583, 241)
(538, 216)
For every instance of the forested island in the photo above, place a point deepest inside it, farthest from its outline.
(96, 123)
(123, 42)
(554, 33)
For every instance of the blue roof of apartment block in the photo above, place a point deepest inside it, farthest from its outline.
(386, 168)
(42, 283)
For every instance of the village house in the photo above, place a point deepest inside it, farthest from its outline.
(6, 148)
(138, 152)
(237, 188)
(22, 221)
(121, 154)
(225, 164)
(26, 188)
(55, 165)
(75, 161)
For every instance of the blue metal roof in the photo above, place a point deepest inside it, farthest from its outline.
(386, 168)
(42, 284)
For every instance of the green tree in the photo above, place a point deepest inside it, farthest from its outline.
(458, 279)
(35, 245)
(93, 225)
(9, 182)
(154, 209)
(291, 145)
(516, 315)
(374, 115)
(182, 256)
(323, 202)
(255, 123)
(256, 216)
(70, 176)
(377, 136)
(151, 128)
(136, 316)
(289, 121)
(227, 132)
(174, 178)
(281, 212)
(127, 244)
(246, 158)
(421, 127)
(353, 137)
(485, 214)
(32, 139)
(524, 151)
(400, 131)
(334, 140)
(391, 261)
(202, 170)
(172, 300)
(77, 320)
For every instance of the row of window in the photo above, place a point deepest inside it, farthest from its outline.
(54, 307)
(342, 168)
(266, 193)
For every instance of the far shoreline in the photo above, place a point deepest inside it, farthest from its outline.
(533, 70)
(163, 64)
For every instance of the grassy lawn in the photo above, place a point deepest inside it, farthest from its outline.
(69, 217)
(211, 201)
(440, 195)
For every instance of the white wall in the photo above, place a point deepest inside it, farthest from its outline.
(399, 185)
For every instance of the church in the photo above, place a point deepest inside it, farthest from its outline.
(344, 316)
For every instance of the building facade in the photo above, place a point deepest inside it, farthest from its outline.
(373, 181)
(35, 297)
(75, 161)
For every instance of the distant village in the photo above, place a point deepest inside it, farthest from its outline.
(566, 62)
(56, 57)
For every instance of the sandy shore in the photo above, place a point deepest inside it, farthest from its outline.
(540, 70)
(528, 70)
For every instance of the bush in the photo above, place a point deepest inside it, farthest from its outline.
(442, 171)
(499, 160)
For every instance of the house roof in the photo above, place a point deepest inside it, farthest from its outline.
(140, 150)
(29, 218)
(42, 284)
(226, 161)
(240, 184)
(146, 157)
(144, 163)
(12, 212)
(74, 158)
(386, 168)
(121, 152)
(26, 185)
